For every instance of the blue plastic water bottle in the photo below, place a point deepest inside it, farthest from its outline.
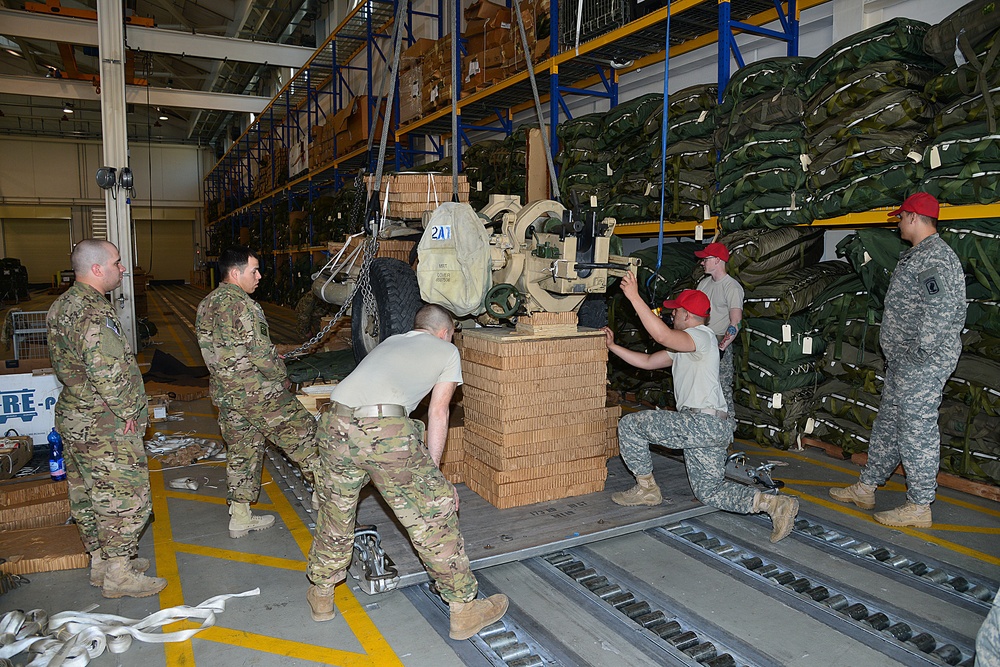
(57, 467)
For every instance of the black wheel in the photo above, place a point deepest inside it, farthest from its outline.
(593, 311)
(502, 301)
(397, 299)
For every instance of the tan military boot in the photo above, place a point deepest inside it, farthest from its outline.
(98, 566)
(321, 603)
(242, 521)
(781, 509)
(646, 492)
(468, 618)
(907, 514)
(120, 580)
(862, 495)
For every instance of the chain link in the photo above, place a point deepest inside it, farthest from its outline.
(363, 283)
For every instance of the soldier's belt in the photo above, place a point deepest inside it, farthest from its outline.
(366, 411)
(721, 414)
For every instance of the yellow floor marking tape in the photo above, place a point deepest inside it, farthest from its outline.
(283, 647)
(179, 653)
(922, 534)
(241, 557)
(173, 332)
(378, 651)
(217, 500)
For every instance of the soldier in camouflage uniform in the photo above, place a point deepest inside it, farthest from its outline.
(988, 638)
(102, 415)
(923, 318)
(365, 434)
(726, 295)
(701, 426)
(249, 385)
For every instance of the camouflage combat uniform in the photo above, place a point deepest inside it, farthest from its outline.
(248, 387)
(391, 452)
(106, 469)
(924, 315)
(988, 639)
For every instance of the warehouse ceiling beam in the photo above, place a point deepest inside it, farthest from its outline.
(82, 90)
(84, 33)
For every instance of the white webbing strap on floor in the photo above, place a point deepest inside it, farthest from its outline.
(74, 638)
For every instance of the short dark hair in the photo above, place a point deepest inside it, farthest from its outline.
(235, 257)
(433, 318)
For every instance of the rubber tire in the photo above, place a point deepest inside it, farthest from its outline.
(397, 300)
(593, 311)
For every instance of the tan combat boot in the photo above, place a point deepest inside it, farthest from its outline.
(321, 602)
(907, 514)
(120, 580)
(98, 566)
(781, 509)
(862, 495)
(646, 492)
(242, 521)
(468, 618)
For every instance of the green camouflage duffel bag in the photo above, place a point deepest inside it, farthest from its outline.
(767, 374)
(978, 108)
(628, 118)
(962, 32)
(976, 382)
(629, 208)
(898, 39)
(694, 125)
(972, 183)
(840, 399)
(677, 265)
(770, 210)
(982, 343)
(693, 98)
(885, 186)
(901, 109)
(759, 254)
(844, 433)
(873, 253)
(793, 292)
(762, 76)
(778, 174)
(785, 341)
(980, 73)
(851, 89)
(590, 126)
(977, 244)
(983, 313)
(691, 155)
(757, 151)
(763, 112)
(857, 154)
(758, 419)
(961, 145)
(844, 299)
(857, 367)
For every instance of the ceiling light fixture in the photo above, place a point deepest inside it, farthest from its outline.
(67, 108)
(163, 117)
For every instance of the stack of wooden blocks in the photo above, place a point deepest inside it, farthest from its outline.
(412, 194)
(34, 536)
(536, 425)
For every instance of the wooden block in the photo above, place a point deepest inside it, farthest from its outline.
(540, 437)
(486, 411)
(554, 399)
(543, 473)
(520, 421)
(479, 375)
(35, 513)
(518, 362)
(29, 551)
(503, 462)
(507, 343)
(554, 324)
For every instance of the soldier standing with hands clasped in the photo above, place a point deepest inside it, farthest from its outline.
(249, 385)
(923, 319)
(102, 415)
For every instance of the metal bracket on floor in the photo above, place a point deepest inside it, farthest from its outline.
(739, 469)
(371, 566)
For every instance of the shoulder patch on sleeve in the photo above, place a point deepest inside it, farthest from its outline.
(110, 323)
(930, 282)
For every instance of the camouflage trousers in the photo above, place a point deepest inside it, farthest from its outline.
(726, 373)
(391, 453)
(704, 439)
(906, 430)
(988, 639)
(283, 420)
(108, 479)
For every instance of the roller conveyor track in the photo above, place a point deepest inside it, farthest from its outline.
(892, 631)
(971, 591)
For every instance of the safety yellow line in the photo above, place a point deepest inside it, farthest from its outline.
(962, 528)
(176, 653)
(378, 651)
(241, 557)
(187, 495)
(913, 532)
(284, 647)
(173, 332)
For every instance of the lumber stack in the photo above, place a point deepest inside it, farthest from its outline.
(536, 425)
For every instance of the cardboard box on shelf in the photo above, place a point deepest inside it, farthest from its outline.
(15, 452)
(484, 10)
(411, 93)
